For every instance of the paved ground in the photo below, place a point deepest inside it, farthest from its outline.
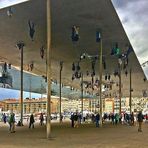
(86, 136)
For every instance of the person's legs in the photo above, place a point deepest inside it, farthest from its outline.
(32, 125)
(29, 124)
(77, 124)
(74, 123)
(140, 127)
(97, 123)
(10, 126)
(13, 128)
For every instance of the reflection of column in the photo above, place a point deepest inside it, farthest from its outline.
(120, 88)
(130, 100)
(94, 105)
(91, 104)
(93, 100)
(30, 88)
(61, 66)
(82, 94)
(101, 82)
(48, 124)
(30, 96)
(41, 89)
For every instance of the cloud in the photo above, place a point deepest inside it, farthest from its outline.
(134, 17)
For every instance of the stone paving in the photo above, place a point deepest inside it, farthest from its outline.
(86, 136)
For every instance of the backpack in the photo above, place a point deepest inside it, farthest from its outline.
(11, 118)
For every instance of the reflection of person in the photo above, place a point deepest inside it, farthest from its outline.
(140, 118)
(31, 123)
(31, 29)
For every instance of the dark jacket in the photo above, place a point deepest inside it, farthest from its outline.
(140, 117)
(32, 119)
(97, 117)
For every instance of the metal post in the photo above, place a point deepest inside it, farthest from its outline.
(130, 100)
(91, 104)
(21, 95)
(30, 87)
(82, 94)
(93, 100)
(29, 110)
(61, 66)
(41, 89)
(120, 88)
(92, 94)
(48, 124)
(101, 83)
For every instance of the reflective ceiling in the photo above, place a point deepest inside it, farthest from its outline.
(89, 16)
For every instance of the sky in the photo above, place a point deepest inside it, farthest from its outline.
(6, 3)
(11, 94)
(134, 17)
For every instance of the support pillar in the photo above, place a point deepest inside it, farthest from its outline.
(21, 95)
(48, 124)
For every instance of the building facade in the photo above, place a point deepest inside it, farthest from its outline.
(29, 105)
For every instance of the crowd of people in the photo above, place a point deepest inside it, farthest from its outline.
(113, 118)
(77, 118)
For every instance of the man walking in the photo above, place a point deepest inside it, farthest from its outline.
(31, 123)
(97, 119)
(140, 118)
(12, 123)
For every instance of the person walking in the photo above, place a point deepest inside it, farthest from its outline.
(132, 119)
(140, 118)
(113, 118)
(31, 123)
(146, 117)
(116, 118)
(41, 119)
(72, 120)
(4, 118)
(97, 119)
(76, 120)
(12, 122)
